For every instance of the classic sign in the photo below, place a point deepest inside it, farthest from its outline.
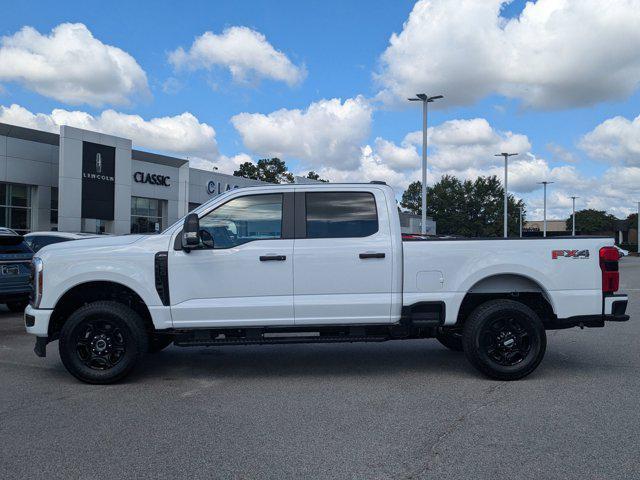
(152, 178)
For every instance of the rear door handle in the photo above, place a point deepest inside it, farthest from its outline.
(273, 258)
(366, 255)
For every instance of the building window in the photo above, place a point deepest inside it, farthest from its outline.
(146, 215)
(15, 207)
(53, 218)
(193, 206)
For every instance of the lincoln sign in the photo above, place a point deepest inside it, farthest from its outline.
(98, 180)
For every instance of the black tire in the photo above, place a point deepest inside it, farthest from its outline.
(504, 339)
(18, 306)
(101, 342)
(452, 339)
(158, 343)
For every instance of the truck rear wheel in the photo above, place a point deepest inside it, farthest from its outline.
(504, 339)
(101, 342)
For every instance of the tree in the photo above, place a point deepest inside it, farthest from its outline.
(271, 170)
(469, 208)
(314, 176)
(589, 221)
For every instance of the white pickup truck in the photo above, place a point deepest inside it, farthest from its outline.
(314, 263)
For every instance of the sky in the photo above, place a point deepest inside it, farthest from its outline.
(324, 86)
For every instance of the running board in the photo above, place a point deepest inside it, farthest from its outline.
(194, 341)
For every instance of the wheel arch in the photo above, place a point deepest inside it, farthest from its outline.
(514, 286)
(88, 292)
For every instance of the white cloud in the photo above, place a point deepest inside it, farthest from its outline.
(557, 53)
(71, 65)
(180, 134)
(246, 53)
(616, 139)
(327, 133)
(456, 145)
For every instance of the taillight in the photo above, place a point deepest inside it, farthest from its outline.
(609, 257)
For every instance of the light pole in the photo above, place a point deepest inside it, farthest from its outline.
(573, 216)
(638, 231)
(520, 208)
(506, 193)
(545, 206)
(425, 99)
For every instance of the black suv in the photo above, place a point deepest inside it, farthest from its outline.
(15, 270)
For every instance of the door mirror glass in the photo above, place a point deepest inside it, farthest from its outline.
(191, 232)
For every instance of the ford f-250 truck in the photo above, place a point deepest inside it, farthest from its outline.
(314, 263)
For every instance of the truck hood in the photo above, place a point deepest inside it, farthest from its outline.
(90, 243)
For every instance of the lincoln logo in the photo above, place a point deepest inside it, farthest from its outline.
(98, 163)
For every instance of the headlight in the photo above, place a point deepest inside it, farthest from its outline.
(36, 281)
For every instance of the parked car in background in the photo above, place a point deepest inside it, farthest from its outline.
(37, 240)
(622, 252)
(15, 270)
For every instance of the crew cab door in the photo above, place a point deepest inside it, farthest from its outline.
(247, 278)
(343, 260)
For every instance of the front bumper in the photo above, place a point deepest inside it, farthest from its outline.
(37, 321)
(614, 308)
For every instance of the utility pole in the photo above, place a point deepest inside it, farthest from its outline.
(520, 208)
(545, 206)
(506, 192)
(425, 99)
(573, 216)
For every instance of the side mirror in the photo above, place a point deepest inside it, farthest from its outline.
(191, 232)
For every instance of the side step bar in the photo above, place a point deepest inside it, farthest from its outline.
(189, 340)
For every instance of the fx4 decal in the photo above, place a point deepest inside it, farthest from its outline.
(555, 254)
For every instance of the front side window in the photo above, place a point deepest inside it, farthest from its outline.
(245, 219)
(341, 214)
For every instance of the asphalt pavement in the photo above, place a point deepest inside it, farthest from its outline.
(406, 409)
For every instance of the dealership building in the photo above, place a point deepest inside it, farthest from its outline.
(87, 181)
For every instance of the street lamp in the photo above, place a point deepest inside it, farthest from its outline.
(506, 194)
(573, 216)
(425, 99)
(545, 206)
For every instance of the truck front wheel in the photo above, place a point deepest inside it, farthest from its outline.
(504, 339)
(101, 342)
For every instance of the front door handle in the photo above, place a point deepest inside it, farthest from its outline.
(366, 255)
(273, 258)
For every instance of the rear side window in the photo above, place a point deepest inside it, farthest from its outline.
(341, 214)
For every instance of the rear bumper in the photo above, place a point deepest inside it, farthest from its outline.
(614, 308)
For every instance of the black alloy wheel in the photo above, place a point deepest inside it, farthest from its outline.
(100, 344)
(504, 339)
(102, 341)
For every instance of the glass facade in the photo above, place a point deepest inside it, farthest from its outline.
(15, 207)
(53, 217)
(146, 215)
